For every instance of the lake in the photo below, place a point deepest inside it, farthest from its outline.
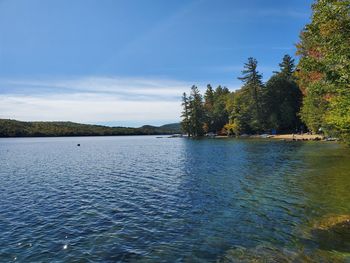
(145, 199)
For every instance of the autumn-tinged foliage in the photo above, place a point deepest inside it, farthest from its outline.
(324, 68)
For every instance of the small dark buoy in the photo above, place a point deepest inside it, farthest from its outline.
(78, 144)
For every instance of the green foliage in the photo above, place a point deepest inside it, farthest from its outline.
(313, 108)
(197, 113)
(317, 93)
(209, 102)
(282, 98)
(241, 111)
(210, 115)
(219, 113)
(252, 109)
(12, 128)
(185, 123)
(287, 66)
(233, 128)
(194, 114)
(248, 106)
(324, 67)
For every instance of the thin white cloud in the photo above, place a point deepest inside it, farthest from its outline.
(95, 99)
(126, 88)
(86, 108)
(92, 99)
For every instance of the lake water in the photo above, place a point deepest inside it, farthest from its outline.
(145, 199)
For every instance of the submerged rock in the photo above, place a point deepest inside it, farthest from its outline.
(270, 254)
(333, 233)
(257, 254)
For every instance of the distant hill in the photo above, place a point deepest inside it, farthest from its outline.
(13, 128)
(165, 129)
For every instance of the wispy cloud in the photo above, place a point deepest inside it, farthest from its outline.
(122, 88)
(87, 108)
(92, 99)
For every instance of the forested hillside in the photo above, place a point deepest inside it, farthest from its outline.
(13, 128)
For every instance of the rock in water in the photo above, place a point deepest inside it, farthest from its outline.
(257, 254)
(267, 253)
(333, 233)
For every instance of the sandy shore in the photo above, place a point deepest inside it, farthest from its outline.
(297, 137)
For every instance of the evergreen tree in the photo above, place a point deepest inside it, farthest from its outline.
(287, 66)
(252, 92)
(282, 98)
(197, 114)
(219, 110)
(185, 123)
(209, 109)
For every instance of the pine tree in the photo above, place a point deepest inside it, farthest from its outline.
(252, 88)
(197, 115)
(185, 123)
(282, 98)
(287, 66)
(219, 110)
(209, 108)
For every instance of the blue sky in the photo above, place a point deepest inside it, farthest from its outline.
(128, 62)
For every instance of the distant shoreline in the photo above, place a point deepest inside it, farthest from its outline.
(73, 136)
(22, 129)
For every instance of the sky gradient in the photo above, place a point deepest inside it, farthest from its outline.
(128, 62)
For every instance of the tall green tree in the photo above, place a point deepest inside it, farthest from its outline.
(197, 113)
(282, 98)
(324, 68)
(209, 101)
(287, 66)
(251, 96)
(219, 110)
(185, 123)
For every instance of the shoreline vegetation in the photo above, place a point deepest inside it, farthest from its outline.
(308, 97)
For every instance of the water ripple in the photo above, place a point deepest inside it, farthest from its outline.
(139, 199)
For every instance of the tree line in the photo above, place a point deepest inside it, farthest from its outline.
(312, 96)
(255, 108)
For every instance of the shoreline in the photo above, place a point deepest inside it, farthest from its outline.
(299, 137)
(284, 137)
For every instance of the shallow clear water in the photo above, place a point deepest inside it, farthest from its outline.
(143, 199)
